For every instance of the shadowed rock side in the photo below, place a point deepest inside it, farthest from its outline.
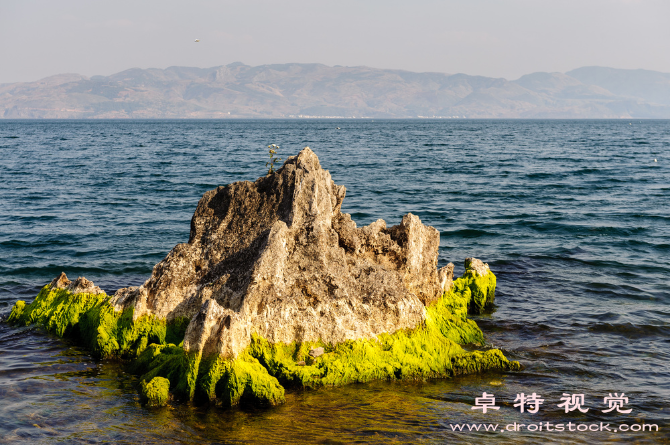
(278, 258)
(276, 287)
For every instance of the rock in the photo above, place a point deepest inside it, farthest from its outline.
(482, 269)
(80, 285)
(316, 352)
(445, 277)
(60, 282)
(125, 295)
(278, 258)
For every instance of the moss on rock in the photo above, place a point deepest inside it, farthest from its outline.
(481, 283)
(156, 392)
(171, 362)
(91, 319)
(58, 310)
(17, 311)
(246, 380)
(258, 375)
(430, 350)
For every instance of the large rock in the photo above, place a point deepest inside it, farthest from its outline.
(276, 257)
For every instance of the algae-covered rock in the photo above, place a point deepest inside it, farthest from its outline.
(482, 285)
(90, 318)
(155, 393)
(17, 311)
(277, 288)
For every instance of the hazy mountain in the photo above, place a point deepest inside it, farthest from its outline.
(314, 90)
(652, 86)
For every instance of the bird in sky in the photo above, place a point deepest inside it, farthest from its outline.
(197, 40)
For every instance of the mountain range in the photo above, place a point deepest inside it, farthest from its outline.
(314, 90)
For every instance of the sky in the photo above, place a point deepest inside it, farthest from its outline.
(503, 38)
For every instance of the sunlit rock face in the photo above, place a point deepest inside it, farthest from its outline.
(278, 258)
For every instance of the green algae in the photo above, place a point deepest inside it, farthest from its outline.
(58, 310)
(231, 382)
(176, 330)
(172, 362)
(17, 311)
(91, 319)
(431, 350)
(482, 289)
(246, 380)
(155, 393)
(259, 374)
(241, 381)
(109, 332)
(480, 361)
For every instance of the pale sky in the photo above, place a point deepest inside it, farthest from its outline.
(504, 38)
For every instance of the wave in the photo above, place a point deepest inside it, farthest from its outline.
(467, 233)
(89, 272)
(631, 330)
(581, 229)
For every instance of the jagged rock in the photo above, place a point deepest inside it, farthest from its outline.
(80, 285)
(278, 258)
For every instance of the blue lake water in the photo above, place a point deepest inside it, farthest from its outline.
(572, 216)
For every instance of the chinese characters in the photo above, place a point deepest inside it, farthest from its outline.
(570, 402)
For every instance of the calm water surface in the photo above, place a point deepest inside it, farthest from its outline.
(572, 216)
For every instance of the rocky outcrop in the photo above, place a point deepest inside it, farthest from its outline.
(277, 257)
(78, 286)
(277, 287)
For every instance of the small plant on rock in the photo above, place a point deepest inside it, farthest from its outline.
(273, 158)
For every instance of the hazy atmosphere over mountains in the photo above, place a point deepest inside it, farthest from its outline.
(315, 90)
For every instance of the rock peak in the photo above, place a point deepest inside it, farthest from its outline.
(305, 160)
(277, 257)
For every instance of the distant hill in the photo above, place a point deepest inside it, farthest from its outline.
(651, 86)
(314, 90)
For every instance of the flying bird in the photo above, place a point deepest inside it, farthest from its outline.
(197, 40)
